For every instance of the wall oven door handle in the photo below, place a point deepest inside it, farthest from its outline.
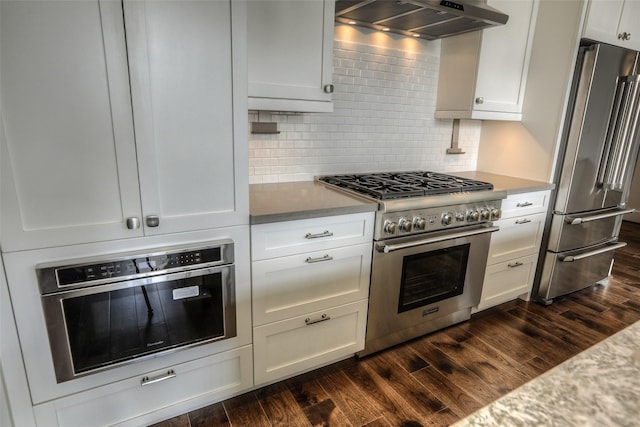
(574, 221)
(571, 258)
(390, 248)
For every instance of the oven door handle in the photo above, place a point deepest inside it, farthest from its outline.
(391, 248)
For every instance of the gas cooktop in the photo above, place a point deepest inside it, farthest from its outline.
(399, 185)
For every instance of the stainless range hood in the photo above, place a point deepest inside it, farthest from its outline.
(427, 19)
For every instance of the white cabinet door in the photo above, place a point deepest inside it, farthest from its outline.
(186, 88)
(69, 171)
(616, 22)
(290, 55)
(483, 74)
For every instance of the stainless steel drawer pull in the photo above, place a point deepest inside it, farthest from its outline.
(515, 264)
(325, 233)
(571, 258)
(575, 221)
(523, 221)
(321, 259)
(152, 380)
(322, 318)
(523, 204)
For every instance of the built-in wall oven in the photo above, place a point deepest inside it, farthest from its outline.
(104, 311)
(431, 242)
(84, 322)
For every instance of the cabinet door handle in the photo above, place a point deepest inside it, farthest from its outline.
(624, 36)
(321, 259)
(480, 100)
(523, 204)
(325, 233)
(514, 264)
(328, 88)
(133, 223)
(152, 380)
(152, 220)
(523, 221)
(322, 318)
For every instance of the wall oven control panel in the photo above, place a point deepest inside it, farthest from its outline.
(98, 270)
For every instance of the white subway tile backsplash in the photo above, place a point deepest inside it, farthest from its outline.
(383, 120)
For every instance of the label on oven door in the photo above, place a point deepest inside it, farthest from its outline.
(187, 292)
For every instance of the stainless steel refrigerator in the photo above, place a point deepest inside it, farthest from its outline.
(594, 172)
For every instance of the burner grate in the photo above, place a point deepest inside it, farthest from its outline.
(396, 185)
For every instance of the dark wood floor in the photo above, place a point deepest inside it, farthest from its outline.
(442, 377)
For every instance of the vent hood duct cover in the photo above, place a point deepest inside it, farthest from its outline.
(427, 19)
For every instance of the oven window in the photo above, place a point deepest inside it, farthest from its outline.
(115, 326)
(432, 276)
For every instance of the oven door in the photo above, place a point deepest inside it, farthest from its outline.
(423, 283)
(103, 326)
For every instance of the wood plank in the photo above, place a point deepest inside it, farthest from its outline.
(245, 410)
(455, 372)
(212, 415)
(356, 406)
(281, 407)
(408, 389)
(394, 408)
(456, 399)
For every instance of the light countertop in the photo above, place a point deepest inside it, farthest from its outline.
(598, 387)
(286, 201)
(510, 184)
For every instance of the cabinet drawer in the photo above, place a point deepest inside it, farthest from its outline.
(128, 403)
(517, 237)
(508, 280)
(297, 344)
(291, 286)
(293, 237)
(525, 204)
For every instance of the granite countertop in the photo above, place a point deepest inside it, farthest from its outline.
(288, 201)
(598, 387)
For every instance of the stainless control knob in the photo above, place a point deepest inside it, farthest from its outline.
(390, 227)
(419, 223)
(473, 216)
(460, 216)
(447, 218)
(405, 225)
(495, 213)
(485, 214)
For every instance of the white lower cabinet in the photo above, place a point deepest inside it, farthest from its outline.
(513, 254)
(310, 292)
(178, 389)
(305, 342)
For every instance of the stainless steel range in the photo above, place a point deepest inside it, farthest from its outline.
(431, 241)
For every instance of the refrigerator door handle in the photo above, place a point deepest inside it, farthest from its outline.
(572, 258)
(621, 134)
(579, 220)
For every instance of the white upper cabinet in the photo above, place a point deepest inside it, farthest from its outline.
(72, 170)
(483, 74)
(290, 55)
(186, 89)
(616, 22)
(68, 156)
